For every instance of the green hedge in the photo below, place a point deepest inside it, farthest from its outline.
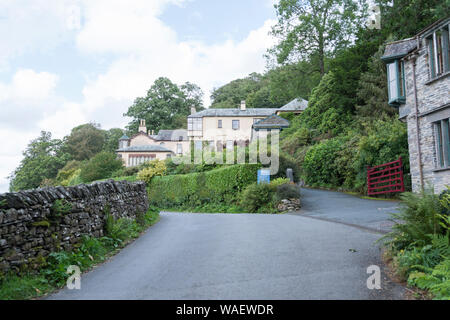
(213, 187)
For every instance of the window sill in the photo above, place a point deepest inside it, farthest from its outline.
(439, 77)
(441, 169)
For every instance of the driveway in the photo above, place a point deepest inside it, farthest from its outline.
(244, 256)
(344, 208)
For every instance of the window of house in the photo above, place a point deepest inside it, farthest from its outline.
(162, 144)
(438, 52)
(198, 145)
(219, 124)
(235, 125)
(442, 141)
(168, 156)
(195, 124)
(179, 148)
(396, 82)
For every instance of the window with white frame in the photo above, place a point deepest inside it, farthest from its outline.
(219, 124)
(235, 124)
(195, 124)
(442, 142)
(396, 82)
(179, 148)
(438, 52)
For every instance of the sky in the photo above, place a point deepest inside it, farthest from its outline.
(68, 62)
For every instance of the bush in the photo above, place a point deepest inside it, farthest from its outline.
(257, 197)
(286, 161)
(214, 187)
(287, 191)
(279, 181)
(68, 172)
(419, 218)
(101, 166)
(152, 169)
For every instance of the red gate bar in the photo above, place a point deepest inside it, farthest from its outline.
(385, 178)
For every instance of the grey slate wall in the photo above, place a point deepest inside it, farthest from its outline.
(431, 96)
(31, 228)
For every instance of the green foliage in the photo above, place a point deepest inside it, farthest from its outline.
(69, 172)
(314, 28)
(101, 166)
(326, 112)
(194, 189)
(319, 163)
(112, 137)
(285, 162)
(85, 141)
(154, 168)
(279, 181)
(42, 223)
(165, 106)
(43, 157)
(258, 197)
(420, 219)
(287, 191)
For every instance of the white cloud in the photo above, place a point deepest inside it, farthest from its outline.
(30, 26)
(142, 46)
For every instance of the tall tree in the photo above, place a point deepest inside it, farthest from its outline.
(314, 28)
(43, 157)
(165, 106)
(85, 141)
(112, 137)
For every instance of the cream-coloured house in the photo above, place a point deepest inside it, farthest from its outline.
(230, 126)
(216, 127)
(144, 146)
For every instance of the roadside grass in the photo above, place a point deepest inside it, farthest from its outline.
(48, 274)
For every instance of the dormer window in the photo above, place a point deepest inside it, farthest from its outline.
(438, 52)
(396, 82)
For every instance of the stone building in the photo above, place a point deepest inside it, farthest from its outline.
(418, 72)
(145, 146)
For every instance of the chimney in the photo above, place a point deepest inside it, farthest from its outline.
(142, 127)
(193, 111)
(243, 107)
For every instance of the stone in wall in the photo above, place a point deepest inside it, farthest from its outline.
(35, 222)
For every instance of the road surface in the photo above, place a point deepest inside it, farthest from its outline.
(249, 256)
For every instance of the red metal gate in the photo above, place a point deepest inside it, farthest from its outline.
(385, 178)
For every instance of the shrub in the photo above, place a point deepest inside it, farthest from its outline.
(258, 196)
(101, 166)
(214, 187)
(319, 163)
(287, 191)
(286, 161)
(279, 181)
(153, 168)
(68, 172)
(419, 218)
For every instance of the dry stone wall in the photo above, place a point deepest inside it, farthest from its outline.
(34, 223)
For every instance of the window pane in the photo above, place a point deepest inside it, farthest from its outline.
(439, 149)
(400, 75)
(393, 92)
(219, 123)
(235, 124)
(446, 141)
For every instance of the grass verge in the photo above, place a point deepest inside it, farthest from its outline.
(46, 274)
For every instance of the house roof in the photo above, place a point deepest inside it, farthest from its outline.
(124, 137)
(152, 148)
(251, 112)
(297, 104)
(399, 49)
(171, 135)
(270, 122)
